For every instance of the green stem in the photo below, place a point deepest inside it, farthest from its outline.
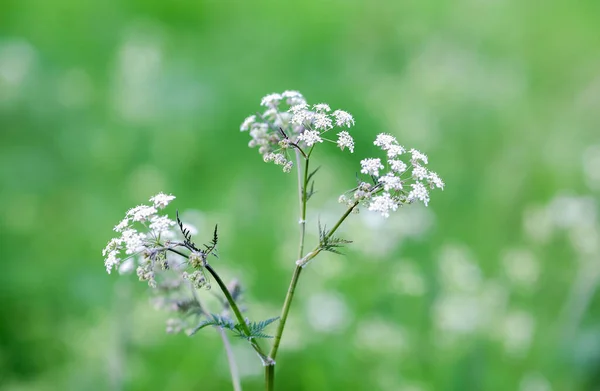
(234, 307)
(304, 261)
(238, 314)
(302, 189)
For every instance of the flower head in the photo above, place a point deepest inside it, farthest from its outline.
(371, 166)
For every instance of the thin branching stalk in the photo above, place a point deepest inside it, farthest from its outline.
(234, 307)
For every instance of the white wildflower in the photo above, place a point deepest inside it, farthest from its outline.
(418, 156)
(322, 121)
(293, 97)
(161, 200)
(113, 245)
(271, 100)
(247, 123)
(390, 182)
(371, 166)
(398, 166)
(419, 192)
(122, 225)
(111, 261)
(134, 241)
(295, 109)
(419, 172)
(161, 224)
(310, 137)
(385, 141)
(383, 204)
(395, 150)
(322, 107)
(435, 181)
(302, 117)
(343, 118)
(345, 141)
(141, 213)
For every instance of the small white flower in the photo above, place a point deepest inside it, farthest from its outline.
(302, 117)
(416, 156)
(345, 141)
(161, 224)
(295, 109)
(141, 213)
(322, 107)
(398, 166)
(122, 225)
(161, 200)
(435, 181)
(287, 167)
(310, 137)
(419, 192)
(383, 204)
(271, 100)
(134, 241)
(113, 245)
(385, 141)
(419, 172)
(391, 182)
(343, 118)
(111, 261)
(395, 150)
(371, 166)
(247, 123)
(322, 121)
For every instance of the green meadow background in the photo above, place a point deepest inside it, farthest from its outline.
(493, 287)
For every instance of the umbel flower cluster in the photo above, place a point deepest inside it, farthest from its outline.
(288, 121)
(395, 183)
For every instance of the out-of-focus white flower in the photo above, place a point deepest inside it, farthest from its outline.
(371, 166)
(345, 141)
(271, 100)
(247, 123)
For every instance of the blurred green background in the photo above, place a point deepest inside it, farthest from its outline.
(493, 287)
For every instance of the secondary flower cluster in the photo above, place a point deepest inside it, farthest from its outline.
(289, 122)
(395, 183)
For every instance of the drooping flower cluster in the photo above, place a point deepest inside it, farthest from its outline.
(289, 122)
(395, 183)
